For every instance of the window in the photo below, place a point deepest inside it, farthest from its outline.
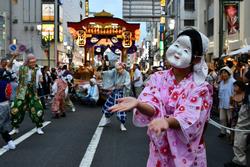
(210, 28)
(210, 2)
(80, 17)
(14, 2)
(189, 5)
(188, 22)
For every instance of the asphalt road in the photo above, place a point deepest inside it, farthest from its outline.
(66, 140)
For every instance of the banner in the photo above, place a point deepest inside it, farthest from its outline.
(232, 18)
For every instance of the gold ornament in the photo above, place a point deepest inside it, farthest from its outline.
(14, 111)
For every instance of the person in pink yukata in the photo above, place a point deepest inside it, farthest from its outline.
(60, 92)
(175, 105)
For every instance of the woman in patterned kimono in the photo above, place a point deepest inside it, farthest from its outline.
(26, 97)
(175, 105)
(60, 90)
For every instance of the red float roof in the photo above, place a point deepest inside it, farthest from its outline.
(103, 18)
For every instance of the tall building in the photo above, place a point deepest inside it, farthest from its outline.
(4, 27)
(32, 26)
(152, 42)
(231, 35)
(73, 11)
(180, 14)
(25, 17)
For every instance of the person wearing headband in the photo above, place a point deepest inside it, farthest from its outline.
(26, 98)
(120, 86)
(175, 105)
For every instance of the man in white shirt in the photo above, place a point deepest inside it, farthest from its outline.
(137, 80)
(39, 87)
(92, 93)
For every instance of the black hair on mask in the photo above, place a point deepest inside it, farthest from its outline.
(196, 41)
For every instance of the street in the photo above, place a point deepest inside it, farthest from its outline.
(66, 140)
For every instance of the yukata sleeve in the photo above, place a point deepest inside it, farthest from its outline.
(54, 88)
(127, 81)
(219, 88)
(127, 84)
(151, 96)
(232, 86)
(194, 112)
(109, 73)
(108, 78)
(21, 76)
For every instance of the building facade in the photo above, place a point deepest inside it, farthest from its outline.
(231, 37)
(152, 43)
(180, 14)
(72, 12)
(4, 27)
(31, 25)
(25, 17)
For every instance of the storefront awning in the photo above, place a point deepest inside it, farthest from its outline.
(240, 51)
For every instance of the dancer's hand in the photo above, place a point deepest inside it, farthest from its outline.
(124, 104)
(158, 125)
(15, 54)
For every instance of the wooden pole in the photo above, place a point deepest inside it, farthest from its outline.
(92, 55)
(85, 55)
(124, 55)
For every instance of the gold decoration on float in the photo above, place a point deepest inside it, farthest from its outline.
(127, 39)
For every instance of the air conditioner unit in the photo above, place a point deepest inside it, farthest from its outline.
(15, 21)
(25, 28)
(31, 28)
(205, 17)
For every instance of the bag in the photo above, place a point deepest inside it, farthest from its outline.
(5, 86)
(8, 91)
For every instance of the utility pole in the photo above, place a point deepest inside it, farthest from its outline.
(221, 41)
(49, 39)
(55, 31)
(10, 15)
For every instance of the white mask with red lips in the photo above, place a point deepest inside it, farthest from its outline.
(179, 54)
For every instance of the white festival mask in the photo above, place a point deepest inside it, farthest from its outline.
(179, 54)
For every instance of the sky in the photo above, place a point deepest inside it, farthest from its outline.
(114, 7)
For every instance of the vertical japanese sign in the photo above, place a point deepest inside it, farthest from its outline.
(162, 27)
(232, 18)
(86, 8)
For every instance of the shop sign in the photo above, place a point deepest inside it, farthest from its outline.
(48, 12)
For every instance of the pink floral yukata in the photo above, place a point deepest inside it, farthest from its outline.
(58, 100)
(187, 102)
